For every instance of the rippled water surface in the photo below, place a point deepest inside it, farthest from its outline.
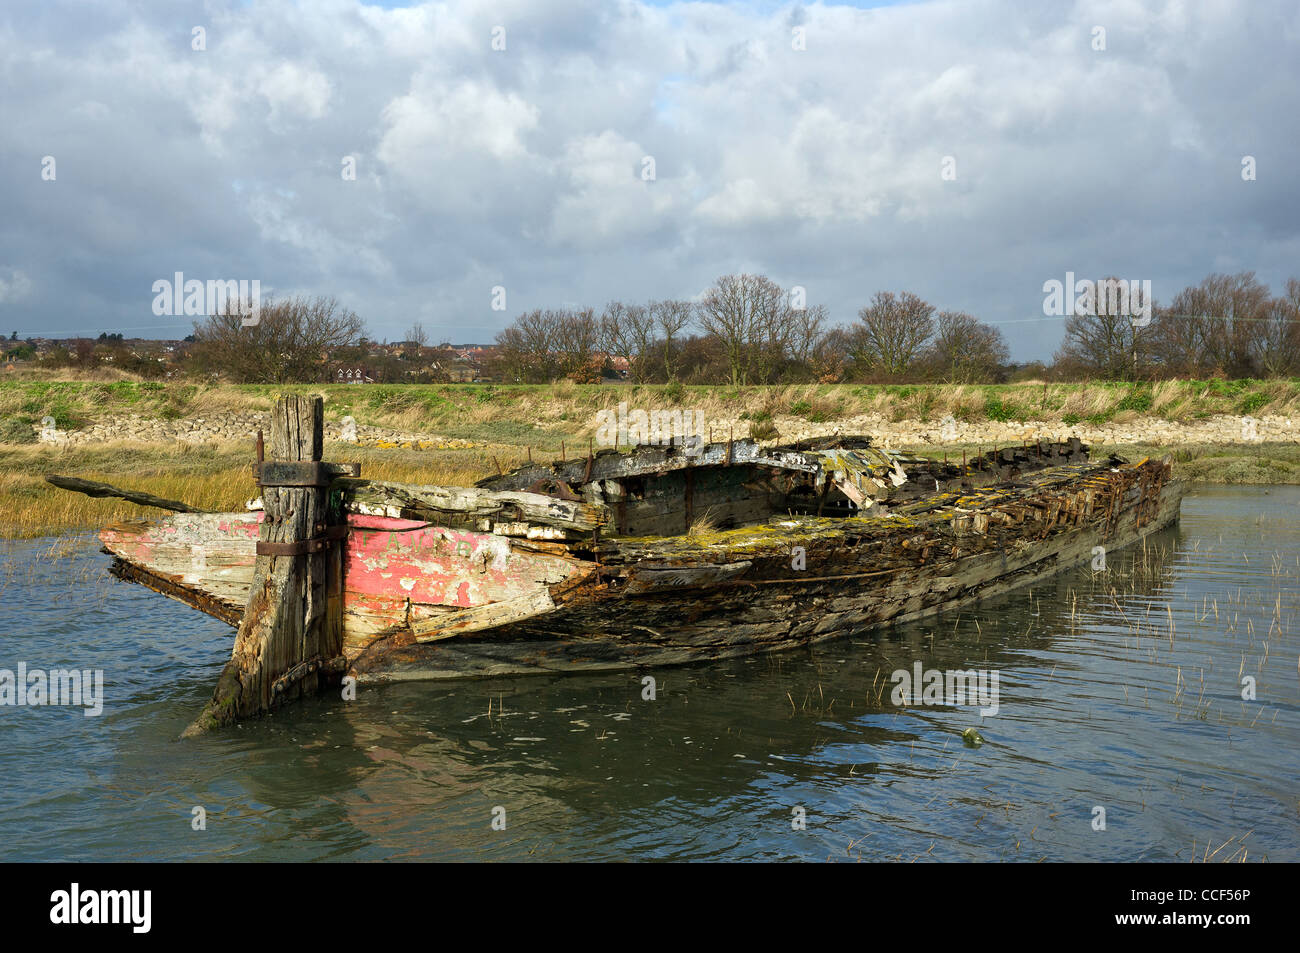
(1119, 690)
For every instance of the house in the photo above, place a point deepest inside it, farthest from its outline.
(353, 374)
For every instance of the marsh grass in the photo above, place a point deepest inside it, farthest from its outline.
(510, 423)
(212, 477)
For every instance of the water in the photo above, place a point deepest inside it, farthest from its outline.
(1100, 706)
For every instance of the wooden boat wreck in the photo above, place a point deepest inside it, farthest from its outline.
(656, 556)
(659, 556)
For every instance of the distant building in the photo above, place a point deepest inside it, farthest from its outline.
(353, 374)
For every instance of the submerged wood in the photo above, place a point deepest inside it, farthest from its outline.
(813, 542)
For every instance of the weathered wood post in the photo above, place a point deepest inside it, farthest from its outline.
(290, 641)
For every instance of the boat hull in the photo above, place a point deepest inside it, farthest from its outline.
(447, 583)
(743, 618)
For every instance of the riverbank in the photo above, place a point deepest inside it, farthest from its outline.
(182, 441)
(115, 407)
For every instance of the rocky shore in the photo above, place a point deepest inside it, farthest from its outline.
(1221, 429)
(230, 427)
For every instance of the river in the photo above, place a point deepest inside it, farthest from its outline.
(1121, 731)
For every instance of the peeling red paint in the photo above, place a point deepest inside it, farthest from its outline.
(390, 563)
(438, 565)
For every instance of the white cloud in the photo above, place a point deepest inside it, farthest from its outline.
(448, 118)
(295, 90)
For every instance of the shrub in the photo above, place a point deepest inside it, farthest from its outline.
(16, 430)
(995, 408)
(1136, 400)
(1252, 403)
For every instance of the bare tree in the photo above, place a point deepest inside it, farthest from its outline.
(512, 358)
(291, 340)
(807, 332)
(828, 357)
(1099, 345)
(540, 346)
(671, 317)
(628, 331)
(83, 350)
(746, 313)
(576, 337)
(965, 350)
(1106, 336)
(775, 335)
(1279, 338)
(525, 347)
(1178, 335)
(1216, 326)
(891, 332)
(1239, 306)
(417, 335)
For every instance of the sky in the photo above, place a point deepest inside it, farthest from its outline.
(516, 154)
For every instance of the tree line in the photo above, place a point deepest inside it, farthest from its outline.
(747, 329)
(1227, 326)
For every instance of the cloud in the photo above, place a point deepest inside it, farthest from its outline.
(523, 166)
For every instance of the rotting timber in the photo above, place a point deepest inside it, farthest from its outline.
(667, 555)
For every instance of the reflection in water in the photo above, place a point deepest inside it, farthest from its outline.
(1119, 690)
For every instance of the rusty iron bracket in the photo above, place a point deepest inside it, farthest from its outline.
(302, 473)
(303, 547)
(303, 669)
(562, 490)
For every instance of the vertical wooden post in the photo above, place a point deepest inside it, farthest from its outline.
(291, 636)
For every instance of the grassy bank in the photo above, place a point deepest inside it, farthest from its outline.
(519, 412)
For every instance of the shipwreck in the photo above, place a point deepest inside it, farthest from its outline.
(613, 559)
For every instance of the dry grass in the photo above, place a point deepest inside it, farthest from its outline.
(212, 478)
(703, 525)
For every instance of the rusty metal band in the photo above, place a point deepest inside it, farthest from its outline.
(305, 473)
(303, 547)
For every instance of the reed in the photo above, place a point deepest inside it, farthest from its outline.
(215, 478)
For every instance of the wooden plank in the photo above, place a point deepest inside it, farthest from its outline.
(106, 490)
(405, 500)
(531, 604)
